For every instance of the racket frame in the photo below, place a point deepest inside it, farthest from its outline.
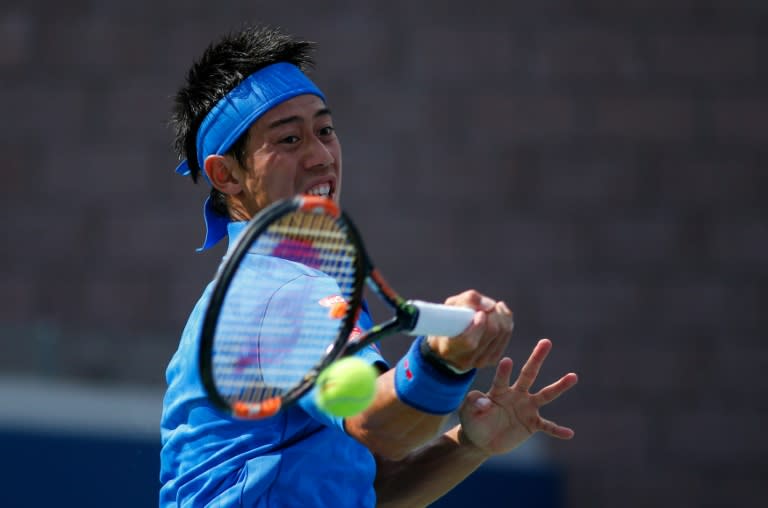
(223, 280)
(405, 317)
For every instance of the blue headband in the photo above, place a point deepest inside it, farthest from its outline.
(233, 115)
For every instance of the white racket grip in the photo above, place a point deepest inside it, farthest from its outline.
(437, 319)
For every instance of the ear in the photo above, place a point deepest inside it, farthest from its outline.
(221, 173)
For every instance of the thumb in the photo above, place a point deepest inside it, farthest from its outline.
(477, 402)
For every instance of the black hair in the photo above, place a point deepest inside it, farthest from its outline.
(224, 65)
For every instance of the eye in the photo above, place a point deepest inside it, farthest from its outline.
(290, 140)
(326, 131)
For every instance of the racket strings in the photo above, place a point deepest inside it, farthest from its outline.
(318, 241)
(279, 320)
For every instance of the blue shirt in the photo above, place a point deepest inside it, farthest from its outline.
(301, 457)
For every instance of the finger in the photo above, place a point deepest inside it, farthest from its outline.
(498, 335)
(477, 402)
(553, 391)
(551, 428)
(473, 335)
(502, 309)
(472, 299)
(483, 343)
(505, 311)
(462, 351)
(502, 318)
(494, 352)
(531, 368)
(500, 383)
(493, 326)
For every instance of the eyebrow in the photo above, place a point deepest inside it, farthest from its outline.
(297, 118)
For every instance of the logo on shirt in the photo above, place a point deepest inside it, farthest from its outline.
(338, 308)
(330, 301)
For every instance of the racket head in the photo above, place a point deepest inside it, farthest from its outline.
(282, 306)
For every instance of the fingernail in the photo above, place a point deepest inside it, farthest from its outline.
(487, 303)
(483, 403)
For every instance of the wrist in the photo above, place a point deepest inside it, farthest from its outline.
(438, 362)
(423, 386)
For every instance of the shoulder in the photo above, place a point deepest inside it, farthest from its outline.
(272, 267)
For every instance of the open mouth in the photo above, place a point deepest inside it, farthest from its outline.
(322, 189)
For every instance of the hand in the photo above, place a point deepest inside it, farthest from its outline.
(484, 341)
(501, 419)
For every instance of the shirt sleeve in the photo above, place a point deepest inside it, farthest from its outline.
(371, 354)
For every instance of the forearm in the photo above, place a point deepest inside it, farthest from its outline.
(391, 428)
(428, 473)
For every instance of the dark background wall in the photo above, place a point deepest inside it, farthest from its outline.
(600, 165)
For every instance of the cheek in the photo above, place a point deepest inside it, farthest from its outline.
(339, 178)
(256, 196)
(279, 183)
(337, 194)
(335, 149)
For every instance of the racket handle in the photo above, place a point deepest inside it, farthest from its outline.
(437, 319)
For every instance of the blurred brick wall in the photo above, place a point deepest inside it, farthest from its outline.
(600, 165)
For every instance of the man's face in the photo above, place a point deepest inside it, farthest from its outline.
(292, 149)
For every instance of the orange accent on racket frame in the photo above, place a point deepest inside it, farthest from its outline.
(311, 203)
(257, 410)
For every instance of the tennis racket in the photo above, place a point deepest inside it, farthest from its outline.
(285, 304)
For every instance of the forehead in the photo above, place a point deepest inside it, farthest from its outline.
(302, 107)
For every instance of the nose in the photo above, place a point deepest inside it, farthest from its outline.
(318, 155)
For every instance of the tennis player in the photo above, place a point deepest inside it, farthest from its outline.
(255, 128)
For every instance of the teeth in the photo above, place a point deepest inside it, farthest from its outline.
(324, 189)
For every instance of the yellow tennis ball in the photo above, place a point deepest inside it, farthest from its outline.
(346, 387)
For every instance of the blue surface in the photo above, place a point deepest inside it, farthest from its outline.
(517, 486)
(43, 470)
(46, 469)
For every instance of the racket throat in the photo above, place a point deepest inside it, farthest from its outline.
(407, 316)
(403, 321)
